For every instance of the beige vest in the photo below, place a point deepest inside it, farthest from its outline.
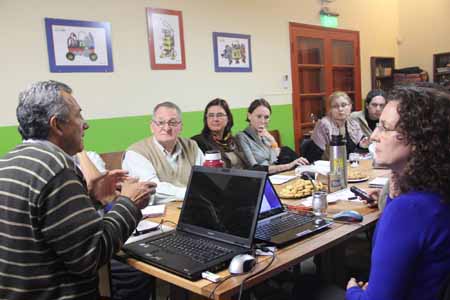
(164, 171)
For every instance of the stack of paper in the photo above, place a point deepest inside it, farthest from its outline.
(149, 226)
(153, 211)
(378, 182)
(280, 179)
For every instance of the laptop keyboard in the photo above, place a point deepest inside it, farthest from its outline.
(280, 224)
(200, 250)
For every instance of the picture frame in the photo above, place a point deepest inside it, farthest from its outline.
(78, 46)
(232, 52)
(166, 39)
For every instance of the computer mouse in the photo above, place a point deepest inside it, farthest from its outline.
(348, 216)
(241, 263)
(319, 222)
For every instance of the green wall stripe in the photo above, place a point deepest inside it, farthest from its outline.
(116, 134)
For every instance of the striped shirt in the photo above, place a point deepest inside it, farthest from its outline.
(52, 241)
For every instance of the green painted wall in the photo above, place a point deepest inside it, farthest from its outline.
(116, 134)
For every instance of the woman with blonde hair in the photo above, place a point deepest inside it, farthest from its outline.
(337, 121)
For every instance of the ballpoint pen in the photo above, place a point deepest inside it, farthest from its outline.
(144, 231)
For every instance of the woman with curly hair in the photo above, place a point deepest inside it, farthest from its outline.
(411, 254)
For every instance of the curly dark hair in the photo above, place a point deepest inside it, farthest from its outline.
(425, 123)
(222, 103)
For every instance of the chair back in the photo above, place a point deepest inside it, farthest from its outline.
(113, 160)
(444, 292)
(276, 135)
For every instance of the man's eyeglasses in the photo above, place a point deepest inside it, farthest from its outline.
(337, 106)
(171, 123)
(217, 115)
(383, 128)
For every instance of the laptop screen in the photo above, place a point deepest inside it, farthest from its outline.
(223, 201)
(270, 199)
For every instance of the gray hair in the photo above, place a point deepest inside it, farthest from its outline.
(37, 104)
(168, 104)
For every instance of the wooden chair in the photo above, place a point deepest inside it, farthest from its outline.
(104, 282)
(444, 293)
(276, 135)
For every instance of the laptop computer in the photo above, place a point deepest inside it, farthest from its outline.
(278, 226)
(217, 221)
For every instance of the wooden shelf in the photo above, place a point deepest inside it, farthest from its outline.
(441, 60)
(378, 66)
(343, 66)
(312, 95)
(310, 66)
(307, 124)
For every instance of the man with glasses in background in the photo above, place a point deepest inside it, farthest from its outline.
(164, 158)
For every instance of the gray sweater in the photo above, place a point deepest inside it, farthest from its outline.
(52, 239)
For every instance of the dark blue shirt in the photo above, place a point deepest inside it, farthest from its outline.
(411, 254)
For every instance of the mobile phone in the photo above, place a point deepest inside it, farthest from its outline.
(361, 193)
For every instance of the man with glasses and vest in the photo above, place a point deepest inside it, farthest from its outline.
(164, 158)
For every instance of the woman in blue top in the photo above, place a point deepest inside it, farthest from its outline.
(411, 254)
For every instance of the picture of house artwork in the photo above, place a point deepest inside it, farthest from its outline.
(232, 52)
(235, 53)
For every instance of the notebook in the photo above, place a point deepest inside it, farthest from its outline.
(217, 221)
(278, 226)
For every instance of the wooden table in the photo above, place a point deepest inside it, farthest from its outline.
(286, 257)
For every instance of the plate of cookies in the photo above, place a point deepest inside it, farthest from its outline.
(355, 175)
(298, 188)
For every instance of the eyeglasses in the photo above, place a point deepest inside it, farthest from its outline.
(216, 115)
(382, 128)
(337, 106)
(171, 123)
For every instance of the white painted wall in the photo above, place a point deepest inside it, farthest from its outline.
(133, 88)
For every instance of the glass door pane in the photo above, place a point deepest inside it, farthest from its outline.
(343, 79)
(311, 80)
(342, 52)
(310, 51)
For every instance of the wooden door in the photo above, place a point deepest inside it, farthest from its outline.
(323, 60)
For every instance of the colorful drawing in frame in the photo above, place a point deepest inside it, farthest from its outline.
(232, 52)
(78, 46)
(166, 39)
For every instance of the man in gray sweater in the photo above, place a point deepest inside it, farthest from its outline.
(52, 239)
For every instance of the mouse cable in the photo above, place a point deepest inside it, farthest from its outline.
(262, 247)
(211, 295)
(265, 249)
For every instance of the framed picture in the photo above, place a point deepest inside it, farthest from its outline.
(232, 52)
(78, 46)
(166, 39)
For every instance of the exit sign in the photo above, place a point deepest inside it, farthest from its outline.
(328, 21)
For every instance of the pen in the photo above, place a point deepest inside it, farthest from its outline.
(144, 231)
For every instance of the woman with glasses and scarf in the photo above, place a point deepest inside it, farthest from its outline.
(337, 121)
(216, 134)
